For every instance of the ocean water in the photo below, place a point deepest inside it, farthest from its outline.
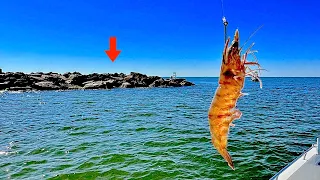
(158, 133)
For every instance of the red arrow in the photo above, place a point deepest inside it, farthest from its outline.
(113, 52)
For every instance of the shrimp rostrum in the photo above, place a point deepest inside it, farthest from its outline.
(223, 110)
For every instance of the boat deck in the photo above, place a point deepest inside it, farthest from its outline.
(309, 170)
(305, 167)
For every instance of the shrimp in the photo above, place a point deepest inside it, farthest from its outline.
(222, 110)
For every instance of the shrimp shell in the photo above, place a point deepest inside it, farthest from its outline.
(222, 110)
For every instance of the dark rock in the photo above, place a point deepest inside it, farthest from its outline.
(151, 79)
(93, 77)
(186, 83)
(112, 83)
(45, 85)
(104, 76)
(2, 78)
(166, 82)
(178, 80)
(116, 81)
(137, 74)
(70, 86)
(36, 74)
(63, 86)
(77, 73)
(9, 74)
(157, 83)
(4, 85)
(140, 84)
(118, 78)
(174, 84)
(24, 88)
(140, 80)
(122, 75)
(128, 78)
(76, 79)
(126, 85)
(54, 77)
(21, 82)
(11, 80)
(95, 85)
(19, 75)
(67, 74)
(36, 78)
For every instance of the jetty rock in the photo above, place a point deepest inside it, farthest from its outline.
(19, 81)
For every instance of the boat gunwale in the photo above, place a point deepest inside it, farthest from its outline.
(276, 176)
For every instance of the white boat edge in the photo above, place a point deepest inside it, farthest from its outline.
(297, 168)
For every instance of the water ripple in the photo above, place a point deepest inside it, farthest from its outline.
(159, 133)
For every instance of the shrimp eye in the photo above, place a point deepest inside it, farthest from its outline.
(228, 73)
(235, 44)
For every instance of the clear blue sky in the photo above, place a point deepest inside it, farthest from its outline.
(156, 37)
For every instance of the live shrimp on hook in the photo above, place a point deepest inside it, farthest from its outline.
(222, 111)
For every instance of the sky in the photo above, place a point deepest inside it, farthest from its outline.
(157, 37)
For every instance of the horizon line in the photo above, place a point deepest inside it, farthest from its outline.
(159, 75)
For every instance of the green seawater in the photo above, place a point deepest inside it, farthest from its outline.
(156, 133)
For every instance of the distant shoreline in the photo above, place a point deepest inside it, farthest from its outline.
(19, 81)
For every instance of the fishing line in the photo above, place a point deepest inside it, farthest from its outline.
(222, 8)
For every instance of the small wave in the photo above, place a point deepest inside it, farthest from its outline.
(4, 153)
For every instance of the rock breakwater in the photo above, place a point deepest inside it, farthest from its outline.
(15, 81)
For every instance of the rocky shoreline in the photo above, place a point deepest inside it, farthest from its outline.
(19, 81)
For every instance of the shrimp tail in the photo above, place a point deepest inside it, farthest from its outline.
(225, 154)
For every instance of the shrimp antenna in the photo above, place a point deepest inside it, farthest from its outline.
(251, 36)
